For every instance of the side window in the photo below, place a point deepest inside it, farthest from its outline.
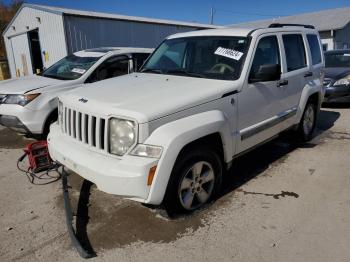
(267, 53)
(139, 59)
(112, 67)
(295, 51)
(315, 49)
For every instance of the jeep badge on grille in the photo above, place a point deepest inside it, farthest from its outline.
(83, 100)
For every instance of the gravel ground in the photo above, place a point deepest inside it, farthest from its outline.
(280, 203)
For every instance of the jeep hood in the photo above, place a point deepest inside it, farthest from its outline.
(26, 84)
(147, 96)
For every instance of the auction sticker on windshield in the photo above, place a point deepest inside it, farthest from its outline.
(229, 53)
(78, 70)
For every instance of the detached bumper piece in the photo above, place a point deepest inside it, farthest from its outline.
(84, 253)
(13, 123)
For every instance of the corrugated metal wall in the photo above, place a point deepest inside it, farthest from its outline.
(51, 34)
(64, 34)
(342, 38)
(86, 32)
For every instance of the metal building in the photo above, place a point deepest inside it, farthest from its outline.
(39, 36)
(332, 24)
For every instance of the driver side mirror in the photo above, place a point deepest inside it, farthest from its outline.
(267, 72)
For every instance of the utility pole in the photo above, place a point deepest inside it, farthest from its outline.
(212, 12)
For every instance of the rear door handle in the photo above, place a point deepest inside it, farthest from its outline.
(282, 83)
(308, 74)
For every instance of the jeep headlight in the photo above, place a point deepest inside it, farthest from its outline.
(122, 135)
(21, 100)
(342, 82)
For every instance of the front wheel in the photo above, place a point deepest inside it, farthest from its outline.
(195, 180)
(308, 122)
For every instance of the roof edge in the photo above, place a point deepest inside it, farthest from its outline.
(276, 20)
(122, 17)
(63, 10)
(30, 6)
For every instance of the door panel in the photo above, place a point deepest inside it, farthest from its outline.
(296, 67)
(260, 104)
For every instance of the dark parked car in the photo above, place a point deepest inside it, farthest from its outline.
(337, 76)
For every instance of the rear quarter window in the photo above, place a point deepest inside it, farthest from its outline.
(315, 49)
(295, 51)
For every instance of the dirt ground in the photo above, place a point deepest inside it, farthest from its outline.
(280, 203)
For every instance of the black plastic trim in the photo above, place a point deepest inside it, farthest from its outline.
(271, 123)
(229, 93)
(69, 218)
(277, 25)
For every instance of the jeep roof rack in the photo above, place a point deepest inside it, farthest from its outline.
(275, 25)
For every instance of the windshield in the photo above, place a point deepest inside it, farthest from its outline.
(215, 57)
(71, 67)
(337, 59)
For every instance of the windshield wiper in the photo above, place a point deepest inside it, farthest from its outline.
(150, 70)
(184, 72)
(55, 77)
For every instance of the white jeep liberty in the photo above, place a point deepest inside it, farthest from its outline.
(166, 135)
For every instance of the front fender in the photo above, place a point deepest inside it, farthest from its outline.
(177, 134)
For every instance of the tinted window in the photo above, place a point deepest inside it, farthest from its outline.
(112, 67)
(267, 53)
(315, 49)
(295, 52)
(139, 59)
(337, 59)
(71, 67)
(214, 57)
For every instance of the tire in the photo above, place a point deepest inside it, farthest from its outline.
(195, 181)
(307, 123)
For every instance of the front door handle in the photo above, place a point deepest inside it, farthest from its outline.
(282, 83)
(308, 74)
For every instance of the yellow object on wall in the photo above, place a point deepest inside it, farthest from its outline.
(46, 55)
(4, 71)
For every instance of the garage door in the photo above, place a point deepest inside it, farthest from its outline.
(21, 54)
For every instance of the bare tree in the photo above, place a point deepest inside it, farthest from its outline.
(7, 11)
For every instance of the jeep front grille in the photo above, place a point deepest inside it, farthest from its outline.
(86, 128)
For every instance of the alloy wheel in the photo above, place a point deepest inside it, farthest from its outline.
(309, 119)
(196, 186)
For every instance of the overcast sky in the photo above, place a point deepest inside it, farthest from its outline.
(226, 12)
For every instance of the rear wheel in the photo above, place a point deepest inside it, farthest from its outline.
(195, 180)
(308, 122)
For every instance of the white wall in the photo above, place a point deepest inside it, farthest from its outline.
(51, 35)
(329, 42)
